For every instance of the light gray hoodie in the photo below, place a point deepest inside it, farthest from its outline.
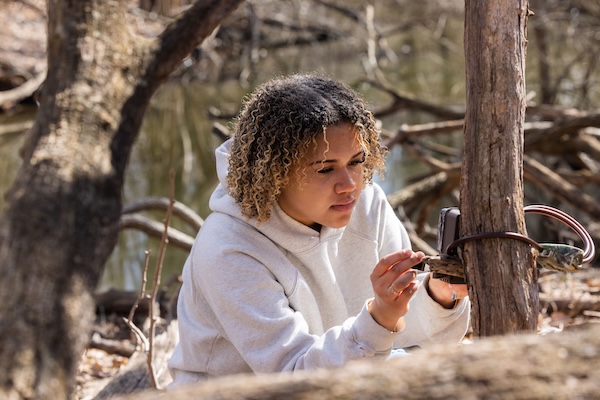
(281, 296)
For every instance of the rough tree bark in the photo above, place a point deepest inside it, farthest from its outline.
(501, 272)
(62, 216)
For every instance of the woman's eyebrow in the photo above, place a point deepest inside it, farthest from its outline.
(333, 161)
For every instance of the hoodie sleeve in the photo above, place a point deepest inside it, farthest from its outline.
(427, 322)
(252, 313)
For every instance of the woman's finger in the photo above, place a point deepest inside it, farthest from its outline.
(397, 263)
(407, 293)
(400, 284)
(391, 261)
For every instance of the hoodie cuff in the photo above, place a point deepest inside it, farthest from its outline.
(431, 306)
(370, 334)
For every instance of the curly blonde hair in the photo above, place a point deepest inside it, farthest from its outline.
(277, 125)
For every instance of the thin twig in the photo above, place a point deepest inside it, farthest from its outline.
(140, 335)
(141, 295)
(156, 285)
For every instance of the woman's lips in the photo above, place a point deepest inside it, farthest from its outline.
(347, 206)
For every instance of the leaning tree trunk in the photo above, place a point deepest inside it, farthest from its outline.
(502, 274)
(61, 219)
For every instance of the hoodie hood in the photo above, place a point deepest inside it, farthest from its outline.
(220, 201)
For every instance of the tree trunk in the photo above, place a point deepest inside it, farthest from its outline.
(501, 272)
(61, 221)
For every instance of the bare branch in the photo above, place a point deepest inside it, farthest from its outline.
(432, 128)
(186, 33)
(544, 177)
(154, 229)
(25, 90)
(566, 126)
(160, 203)
(417, 189)
(401, 102)
(221, 131)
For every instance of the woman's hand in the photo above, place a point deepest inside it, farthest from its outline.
(445, 293)
(394, 284)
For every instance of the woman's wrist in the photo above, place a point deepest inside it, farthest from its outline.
(391, 324)
(438, 294)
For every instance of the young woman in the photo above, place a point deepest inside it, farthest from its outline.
(303, 263)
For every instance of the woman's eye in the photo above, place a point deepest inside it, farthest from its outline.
(357, 162)
(324, 170)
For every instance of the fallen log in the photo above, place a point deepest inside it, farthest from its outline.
(120, 302)
(119, 347)
(517, 366)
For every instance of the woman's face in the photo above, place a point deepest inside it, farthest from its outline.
(325, 186)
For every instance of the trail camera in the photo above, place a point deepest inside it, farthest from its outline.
(448, 229)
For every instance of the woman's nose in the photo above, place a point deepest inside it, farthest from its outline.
(346, 182)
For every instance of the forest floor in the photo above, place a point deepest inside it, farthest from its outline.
(99, 365)
(567, 301)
